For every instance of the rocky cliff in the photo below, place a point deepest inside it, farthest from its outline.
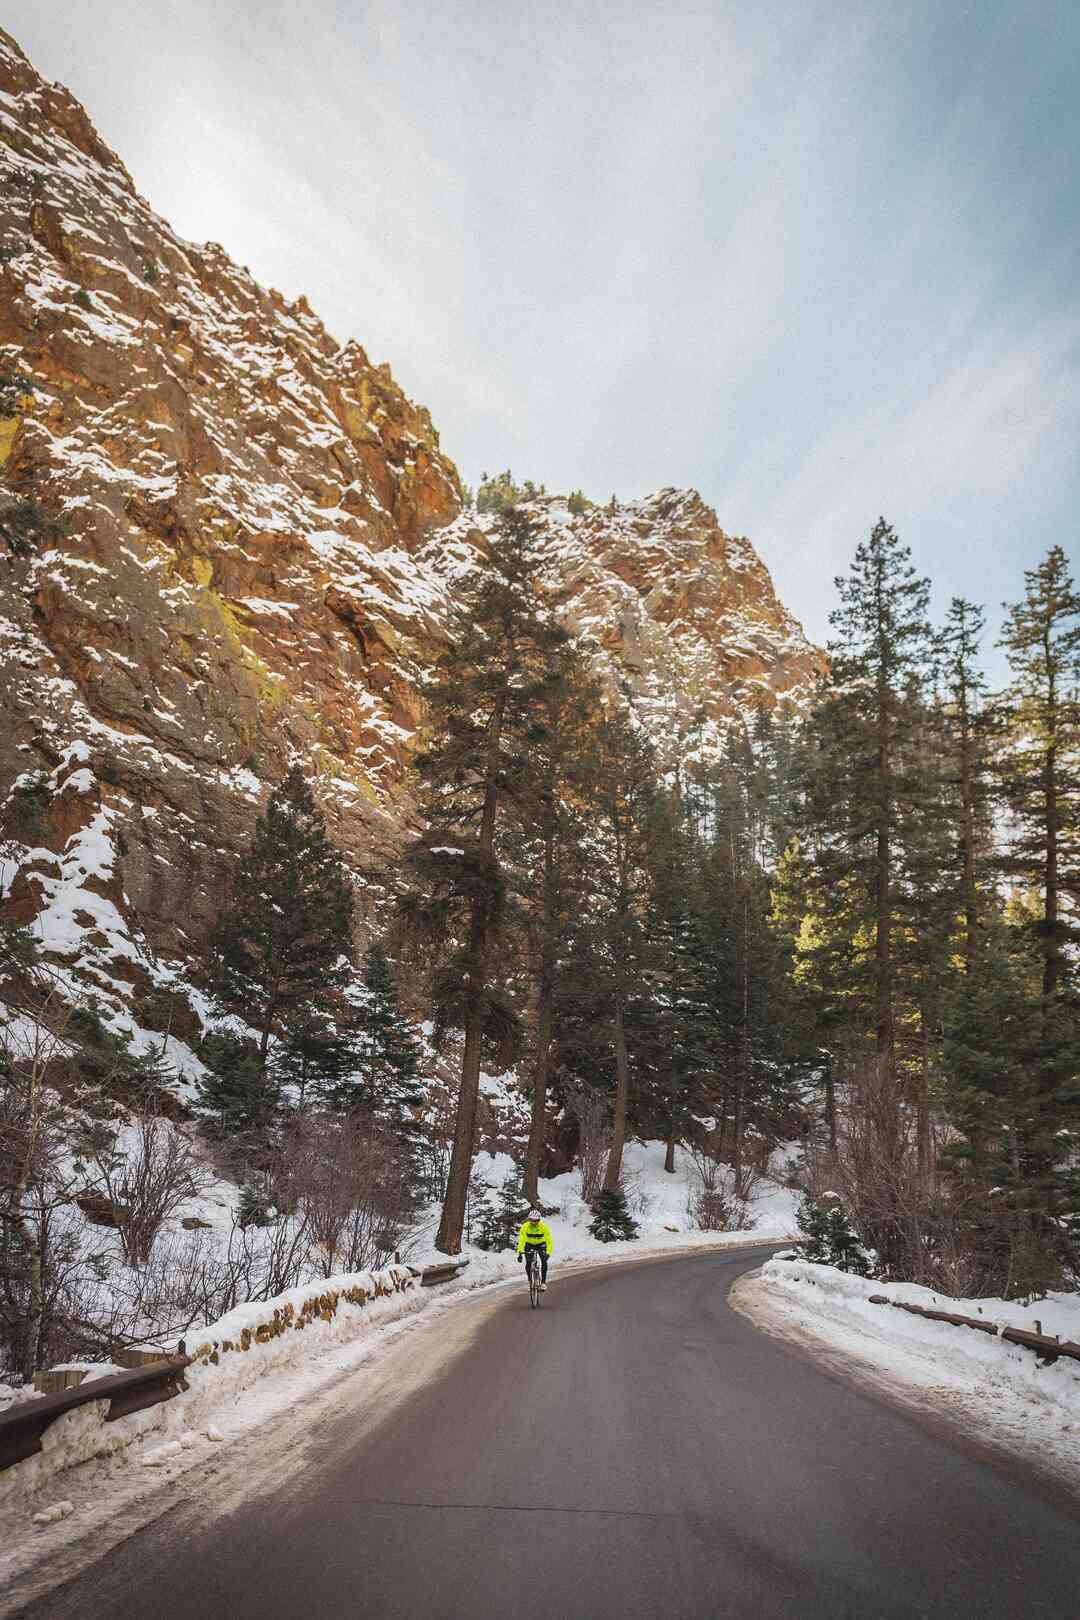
(229, 541)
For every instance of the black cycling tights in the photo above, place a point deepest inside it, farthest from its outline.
(539, 1252)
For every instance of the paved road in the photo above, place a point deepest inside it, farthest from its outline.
(635, 1449)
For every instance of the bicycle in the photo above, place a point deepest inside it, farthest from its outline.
(533, 1272)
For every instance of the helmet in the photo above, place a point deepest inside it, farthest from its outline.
(534, 1214)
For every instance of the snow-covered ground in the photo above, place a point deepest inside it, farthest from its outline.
(997, 1390)
(657, 1201)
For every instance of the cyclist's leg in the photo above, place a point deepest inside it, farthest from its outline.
(543, 1265)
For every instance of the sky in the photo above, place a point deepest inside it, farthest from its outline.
(817, 259)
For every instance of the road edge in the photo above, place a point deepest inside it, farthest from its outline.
(959, 1412)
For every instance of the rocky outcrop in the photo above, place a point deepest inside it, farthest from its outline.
(232, 542)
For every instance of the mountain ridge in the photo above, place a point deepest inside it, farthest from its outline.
(242, 549)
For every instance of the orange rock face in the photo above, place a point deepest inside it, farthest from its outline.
(247, 548)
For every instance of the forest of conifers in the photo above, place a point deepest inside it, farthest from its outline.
(850, 929)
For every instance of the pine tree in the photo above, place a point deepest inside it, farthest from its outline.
(1041, 782)
(828, 1239)
(478, 766)
(612, 1221)
(812, 1219)
(1041, 768)
(284, 937)
(251, 1208)
(238, 1092)
(500, 1222)
(743, 957)
(866, 768)
(550, 859)
(619, 787)
(866, 837)
(947, 859)
(673, 1032)
(385, 1055)
(315, 1057)
(968, 726)
(1007, 1189)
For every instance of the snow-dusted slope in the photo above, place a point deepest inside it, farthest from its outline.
(247, 541)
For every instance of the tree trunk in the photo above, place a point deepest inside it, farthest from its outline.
(830, 1103)
(452, 1220)
(545, 1012)
(34, 1315)
(922, 1116)
(669, 1155)
(742, 1066)
(968, 832)
(545, 1025)
(737, 1117)
(883, 1023)
(1052, 946)
(622, 1089)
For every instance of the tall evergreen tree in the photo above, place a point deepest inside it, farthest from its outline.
(1041, 766)
(553, 837)
(867, 766)
(868, 790)
(619, 784)
(383, 1075)
(314, 1057)
(756, 1082)
(239, 1092)
(1041, 781)
(284, 937)
(672, 1030)
(968, 728)
(477, 765)
(1002, 1161)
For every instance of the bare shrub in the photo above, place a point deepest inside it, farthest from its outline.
(351, 1180)
(49, 1119)
(638, 1201)
(590, 1110)
(918, 1225)
(719, 1196)
(147, 1178)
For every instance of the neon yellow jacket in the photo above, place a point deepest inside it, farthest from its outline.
(534, 1232)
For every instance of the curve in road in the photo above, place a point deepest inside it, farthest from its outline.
(635, 1449)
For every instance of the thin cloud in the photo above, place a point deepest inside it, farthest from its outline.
(817, 261)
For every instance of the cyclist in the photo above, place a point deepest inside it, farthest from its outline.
(534, 1239)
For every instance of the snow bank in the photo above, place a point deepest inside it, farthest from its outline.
(1012, 1396)
(657, 1200)
(232, 1354)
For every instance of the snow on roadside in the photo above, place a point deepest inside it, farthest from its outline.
(656, 1200)
(1005, 1397)
(250, 1342)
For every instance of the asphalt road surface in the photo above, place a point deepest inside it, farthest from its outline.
(634, 1449)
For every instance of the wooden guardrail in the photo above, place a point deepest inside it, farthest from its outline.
(1048, 1349)
(22, 1426)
